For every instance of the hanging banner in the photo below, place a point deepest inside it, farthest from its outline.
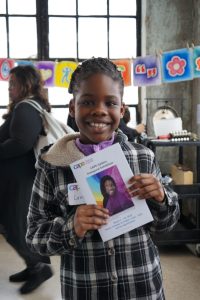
(24, 62)
(5, 66)
(47, 70)
(177, 65)
(63, 73)
(124, 65)
(147, 71)
(172, 66)
(196, 61)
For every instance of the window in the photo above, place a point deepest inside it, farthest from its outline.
(92, 28)
(69, 30)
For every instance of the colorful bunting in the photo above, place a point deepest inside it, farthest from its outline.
(25, 62)
(63, 72)
(146, 71)
(5, 66)
(47, 70)
(177, 65)
(196, 61)
(124, 65)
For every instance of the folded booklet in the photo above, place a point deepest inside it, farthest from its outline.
(102, 179)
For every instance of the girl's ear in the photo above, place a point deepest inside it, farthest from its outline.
(72, 108)
(122, 110)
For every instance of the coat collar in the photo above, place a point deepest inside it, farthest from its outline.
(65, 151)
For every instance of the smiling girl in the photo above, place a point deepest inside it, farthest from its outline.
(128, 266)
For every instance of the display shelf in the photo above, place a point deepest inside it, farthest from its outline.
(186, 231)
(187, 190)
(180, 235)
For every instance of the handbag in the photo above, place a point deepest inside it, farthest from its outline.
(53, 128)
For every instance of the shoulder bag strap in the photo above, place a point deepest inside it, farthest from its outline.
(34, 103)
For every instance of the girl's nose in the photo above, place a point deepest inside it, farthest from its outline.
(99, 109)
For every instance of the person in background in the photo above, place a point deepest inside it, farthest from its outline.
(131, 133)
(128, 266)
(72, 123)
(18, 134)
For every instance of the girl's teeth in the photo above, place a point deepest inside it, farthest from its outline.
(98, 125)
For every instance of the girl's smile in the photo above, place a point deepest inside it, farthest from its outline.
(110, 187)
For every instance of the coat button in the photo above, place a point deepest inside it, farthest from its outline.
(114, 277)
(72, 242)
(111, 251)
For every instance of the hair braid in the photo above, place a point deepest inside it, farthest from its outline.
(95, 66)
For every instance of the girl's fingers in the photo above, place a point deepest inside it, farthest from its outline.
(89, 217)
(92, 210)
(149, 193)
(94, 221)
(146, 186)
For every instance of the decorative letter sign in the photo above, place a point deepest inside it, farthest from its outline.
(146, 71)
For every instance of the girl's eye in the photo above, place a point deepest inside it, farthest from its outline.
(111, 103)
(87, 102)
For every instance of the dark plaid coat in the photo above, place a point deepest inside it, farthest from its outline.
(126, 267)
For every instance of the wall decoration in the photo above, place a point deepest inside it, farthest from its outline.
(24, 62)
(168, 67)
(124, 65)
(63, 72)
(47, 70)
(146, 70)
(196, 61)
(177, 65)
(5, 66)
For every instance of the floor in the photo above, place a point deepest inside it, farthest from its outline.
(181, 271)
(10, 263)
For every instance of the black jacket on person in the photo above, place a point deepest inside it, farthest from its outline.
(72, 123)
(131, 133)
(18, 135)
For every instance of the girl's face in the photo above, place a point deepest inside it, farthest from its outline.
(97, 108)
(109, 187)
(13, 88)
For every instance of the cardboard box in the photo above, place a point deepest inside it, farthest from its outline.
(181, 174)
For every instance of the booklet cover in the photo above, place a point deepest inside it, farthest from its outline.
(103, 179)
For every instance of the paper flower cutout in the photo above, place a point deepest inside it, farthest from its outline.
(176, 66)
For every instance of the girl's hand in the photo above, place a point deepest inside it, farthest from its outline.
(89, 217)
(146, 186)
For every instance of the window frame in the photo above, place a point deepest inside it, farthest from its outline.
(42, 23)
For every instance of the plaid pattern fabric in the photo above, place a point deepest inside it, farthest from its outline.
(127, 267)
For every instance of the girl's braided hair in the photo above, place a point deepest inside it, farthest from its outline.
(95, 66)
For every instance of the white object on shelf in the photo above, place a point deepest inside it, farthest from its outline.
(165, 126)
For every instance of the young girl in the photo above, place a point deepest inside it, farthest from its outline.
(126, 267)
